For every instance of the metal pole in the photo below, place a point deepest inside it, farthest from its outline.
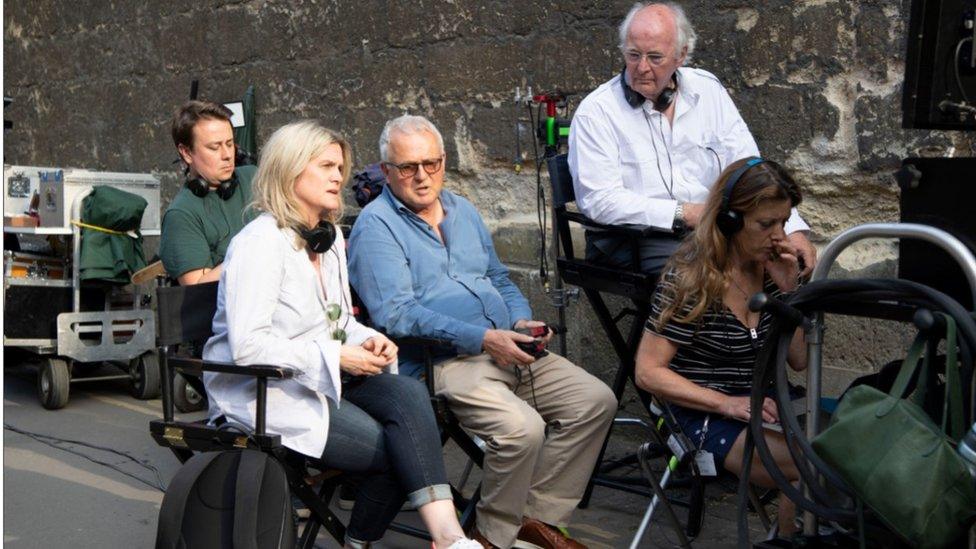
(558, 288)
(814, 340)
(935, 236)
(76, 251)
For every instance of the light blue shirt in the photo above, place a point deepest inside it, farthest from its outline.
(415, 285)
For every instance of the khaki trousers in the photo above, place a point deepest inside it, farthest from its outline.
(543, 434)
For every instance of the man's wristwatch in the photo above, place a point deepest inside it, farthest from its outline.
(679, 225)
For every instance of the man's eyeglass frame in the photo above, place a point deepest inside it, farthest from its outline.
(409, 169)
(654, 59)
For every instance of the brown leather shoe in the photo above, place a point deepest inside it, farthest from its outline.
(476, 535)
(536, 534)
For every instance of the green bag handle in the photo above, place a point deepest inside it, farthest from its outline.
(922, 387)
(952, 407)
(952, 410)
(908, 367)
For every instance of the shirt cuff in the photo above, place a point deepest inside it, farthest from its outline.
(326, 380)
(470, 339)
(520, 313)
(795, 223)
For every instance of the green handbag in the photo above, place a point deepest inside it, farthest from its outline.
(897, 461)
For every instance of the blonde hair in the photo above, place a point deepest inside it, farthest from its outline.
(702, 262)
(283, 159)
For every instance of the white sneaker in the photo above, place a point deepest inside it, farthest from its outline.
(465, 543)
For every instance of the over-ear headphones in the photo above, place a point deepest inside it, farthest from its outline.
(225, 189)
(728, 220)
(663, 101)
(319, 238)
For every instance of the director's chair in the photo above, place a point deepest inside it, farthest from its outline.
(636, 286)
(185, 314)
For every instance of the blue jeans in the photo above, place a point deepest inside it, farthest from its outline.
(385, 428)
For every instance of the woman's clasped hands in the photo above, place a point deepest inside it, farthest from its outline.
(368, 359)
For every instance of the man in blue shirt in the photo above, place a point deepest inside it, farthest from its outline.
(422, 260)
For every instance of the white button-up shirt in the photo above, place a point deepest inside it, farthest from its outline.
(271, 310)
(630, 165)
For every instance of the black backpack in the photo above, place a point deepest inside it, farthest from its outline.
(368, 184)
(235, 499)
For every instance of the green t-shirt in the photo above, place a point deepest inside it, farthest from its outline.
(196, 231)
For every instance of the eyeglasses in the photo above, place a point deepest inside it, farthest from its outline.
(654, 59)
(409, 169)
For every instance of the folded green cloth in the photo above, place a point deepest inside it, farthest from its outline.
(113, 251)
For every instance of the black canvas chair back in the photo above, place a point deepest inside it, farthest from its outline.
(561, 180)
(628, 282)
(595, 278)
(185, 313)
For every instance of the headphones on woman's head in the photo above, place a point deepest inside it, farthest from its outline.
(663, 101)
(728, 220)
(225, 189)
(320, 238)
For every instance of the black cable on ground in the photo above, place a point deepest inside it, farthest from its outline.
(55, 442)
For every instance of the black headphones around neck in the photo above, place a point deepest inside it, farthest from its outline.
(728, 220)
(320, 238)
(663, 101)
(225, 189)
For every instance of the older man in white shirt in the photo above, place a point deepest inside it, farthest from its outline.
(646, 146)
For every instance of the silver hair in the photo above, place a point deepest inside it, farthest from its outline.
(407, 124)
(687, 37)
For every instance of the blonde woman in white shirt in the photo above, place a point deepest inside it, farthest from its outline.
(284, 299)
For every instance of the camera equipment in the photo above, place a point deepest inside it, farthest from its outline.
(536, 348)
(937, 192)
(940, 70)
(552, 131)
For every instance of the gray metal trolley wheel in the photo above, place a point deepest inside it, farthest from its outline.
(144, 370)
(53, 383)
(185, 397)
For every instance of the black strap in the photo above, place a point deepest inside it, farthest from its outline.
(250, 473)
(169, 532)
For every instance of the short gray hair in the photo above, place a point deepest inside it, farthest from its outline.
(687, 37)
(407, 124)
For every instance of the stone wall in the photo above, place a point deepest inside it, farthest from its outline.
(819, 83)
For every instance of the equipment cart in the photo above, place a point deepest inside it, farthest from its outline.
(73, 327)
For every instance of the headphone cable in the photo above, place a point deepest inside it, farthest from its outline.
(668, 186)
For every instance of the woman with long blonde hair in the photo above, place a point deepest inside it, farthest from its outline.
(701, 339)
(284, 299)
